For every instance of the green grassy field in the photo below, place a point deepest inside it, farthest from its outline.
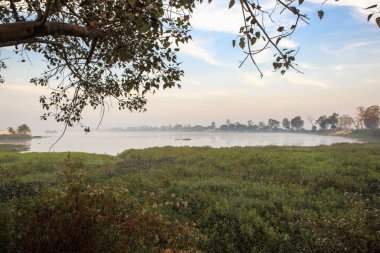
(259, 199)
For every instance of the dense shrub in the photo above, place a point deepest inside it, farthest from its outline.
(91, 218)
(223, 233)
(353, 228)
(15, 189)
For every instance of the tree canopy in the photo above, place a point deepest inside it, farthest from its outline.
(23, 129)
(297, 123)
(372, 117)
(124, 49)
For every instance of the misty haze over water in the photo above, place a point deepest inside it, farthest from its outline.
(115, 142)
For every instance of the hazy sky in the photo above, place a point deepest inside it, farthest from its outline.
(339, 57)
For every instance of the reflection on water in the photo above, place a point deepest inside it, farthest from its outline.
(16, 145)
(113, 143)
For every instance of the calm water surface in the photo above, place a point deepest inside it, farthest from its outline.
(114, 143)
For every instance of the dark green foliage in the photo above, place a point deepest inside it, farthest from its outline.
(333, 120)
(372, 117)
(223, 233)
(23, 129)
(131, 163)
(297, 123)
(16, 189)
(325, 122)
(119, 49)
(272, 123)
(286, 123)
(82, 217)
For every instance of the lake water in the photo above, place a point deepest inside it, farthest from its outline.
(116, 142)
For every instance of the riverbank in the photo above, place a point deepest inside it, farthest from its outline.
(266, 199)
(364, 135)
(15, 136)
(367, 135)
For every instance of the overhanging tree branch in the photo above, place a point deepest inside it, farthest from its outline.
(29, 30)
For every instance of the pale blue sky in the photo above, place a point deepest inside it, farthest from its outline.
(339, 57)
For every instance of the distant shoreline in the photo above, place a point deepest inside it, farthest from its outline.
(364, 135)
(8, 137)
(15, 136)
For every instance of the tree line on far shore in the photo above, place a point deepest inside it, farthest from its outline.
(20, 130)
(366, 118)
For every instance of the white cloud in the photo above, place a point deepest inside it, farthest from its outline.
(199, 50)
(306, 65)
(287, 43)
(369, 66)
(299, 79)
(351, 47)
(356, 45)
(350, 3)
(358, 7)
(216, 17)
(265, 56)
(189, 81)
(339, 67)
(253, 79)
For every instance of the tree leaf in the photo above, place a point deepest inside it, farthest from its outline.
(242, 43)
(257, 34)
(132, 2)
(294, 10)
(370, 7)
(232, 2)
(378, 21)
(321, 14)
(370, 16)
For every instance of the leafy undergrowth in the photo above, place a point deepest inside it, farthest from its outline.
(263, 199)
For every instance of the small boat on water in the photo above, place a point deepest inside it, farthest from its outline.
(51, 131)
(184, 139)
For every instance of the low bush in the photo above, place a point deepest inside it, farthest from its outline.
(91, 218)
(223, 233)
(16, 189)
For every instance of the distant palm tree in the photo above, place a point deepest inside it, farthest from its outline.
(23, 129)
(11, 130)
